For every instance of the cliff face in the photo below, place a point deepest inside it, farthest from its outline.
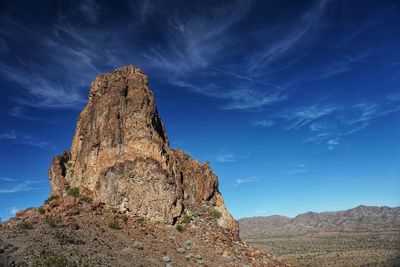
(120, 156)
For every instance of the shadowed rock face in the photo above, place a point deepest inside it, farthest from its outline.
(120, 156)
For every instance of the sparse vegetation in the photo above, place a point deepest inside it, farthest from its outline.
(114, 225)
(180, 228)
(41, 210)
(65, 237)
(25, 225)
(53, 222)
(216, 214)
(187, 218)
(141, 220)
(87, 199)
(76, 209)
(51, 198)
(55, 261)
(73, 191)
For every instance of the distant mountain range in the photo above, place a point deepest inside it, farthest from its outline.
(358, 219)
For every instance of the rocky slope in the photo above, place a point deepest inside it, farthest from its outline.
(123, 197)
(358, 219)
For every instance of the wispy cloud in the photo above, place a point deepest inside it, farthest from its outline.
(194, 41)
(301, 116)
(13, 210)
(90, 10)
(17, 187)
(263, 123)
(247, 180)
(24, 139)
(197, 49)
(306, 25)
(229, 157)
(332, 143)
(329, 122)
(6, 179)
(298, 169)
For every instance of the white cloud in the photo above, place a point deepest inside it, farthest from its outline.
(332, 144)
(13, 210)
(306, 114)
(227, 158)
(247, 180)
(16, 188)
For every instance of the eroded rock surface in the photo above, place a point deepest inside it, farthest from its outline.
(120, 156)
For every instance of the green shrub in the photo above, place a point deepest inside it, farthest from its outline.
(142, 220)
(65, 237)
(186, 218)
(114, 225)
(87, 199)
(73, 191)
(55, 261)
(180, 228)
(41, 210)
(25, 225)
(51, 198)
(216, 214)
(53, 222)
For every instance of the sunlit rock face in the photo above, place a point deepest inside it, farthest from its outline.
(120, 156)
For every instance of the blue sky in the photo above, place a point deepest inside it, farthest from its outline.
(296, 104)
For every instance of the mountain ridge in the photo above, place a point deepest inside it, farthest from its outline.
(360, 218)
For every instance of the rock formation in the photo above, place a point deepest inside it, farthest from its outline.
(120, 156)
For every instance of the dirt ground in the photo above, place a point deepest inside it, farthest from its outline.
(335, 249)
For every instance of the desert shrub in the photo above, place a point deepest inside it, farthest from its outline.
(55, 261)
(30, 208)
(73, 191)
(76, 209)
(87, 199)
(216, 214)
(53, 222)
(41, 210)
(25, 225)
(65, 237)
(187, 218)
(142, 220)
(180, 228)
(114, 225)
(51, 198)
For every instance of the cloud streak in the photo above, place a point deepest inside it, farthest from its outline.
(329, 122)
(17, 187)
(229, 157)
(13, 137)
(247, 180)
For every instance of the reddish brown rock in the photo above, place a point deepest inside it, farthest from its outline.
(20, 213)
(120, 156)
(68, 202)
